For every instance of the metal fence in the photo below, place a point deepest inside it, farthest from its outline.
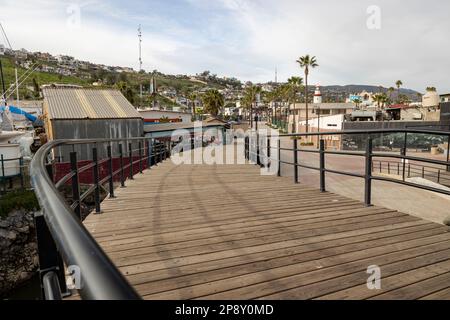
(258, 149)
(9, 178)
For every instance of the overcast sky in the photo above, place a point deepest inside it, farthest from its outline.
(355, 41)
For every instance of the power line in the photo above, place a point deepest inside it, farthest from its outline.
(5, 36)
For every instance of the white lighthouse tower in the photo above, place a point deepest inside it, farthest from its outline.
(317, 95)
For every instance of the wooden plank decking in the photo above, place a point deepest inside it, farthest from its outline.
(226, 232)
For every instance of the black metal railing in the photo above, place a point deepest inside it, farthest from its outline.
(439, 175)
(63, 241)
(4, 177)
(257, 142)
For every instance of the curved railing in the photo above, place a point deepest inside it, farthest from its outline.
(63, 241)
(258, 148)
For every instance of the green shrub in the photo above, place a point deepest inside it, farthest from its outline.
(18, 200)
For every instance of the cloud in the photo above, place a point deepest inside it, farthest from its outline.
(247, 38)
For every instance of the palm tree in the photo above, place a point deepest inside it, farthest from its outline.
(269, 98)
(246, 105)
(399, 84)
(307, 62)
(391, 90)
(213, 102)
(294, 86)
(381, 99)
(357, 102)
(251, 94)
(193, 97)
(285, 97)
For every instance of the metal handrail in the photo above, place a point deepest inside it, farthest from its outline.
(101, 279)
(60, 233)
(369, 154)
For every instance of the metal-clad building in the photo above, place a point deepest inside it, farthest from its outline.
(76, 113)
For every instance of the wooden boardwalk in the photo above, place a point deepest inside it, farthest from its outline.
(226, 232)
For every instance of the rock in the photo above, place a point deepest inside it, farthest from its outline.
(4, 224)
(8, 234)
(18, 250)
(23, 229)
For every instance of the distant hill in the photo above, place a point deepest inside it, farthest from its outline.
(354, 89)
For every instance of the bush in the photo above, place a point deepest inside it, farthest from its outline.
(18, 200)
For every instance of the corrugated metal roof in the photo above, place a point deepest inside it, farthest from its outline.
(72, 103)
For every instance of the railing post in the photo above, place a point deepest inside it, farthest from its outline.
(269, 152)
(149, 154)
(122, 171)
(258, 160)
(3, 173)
(279, 158)
(409, 170)
(140, 157)
(404, 151)
(423, 172)
(75, 184)
(49, 258)
(130, 155)
(439, 176)
(448, 153)
(295, 160)
(165, 150)
(96, 181)
(160, 152)
(322, 165)
(368, 176)
(22, 180)
(111, 172)
(245, 148)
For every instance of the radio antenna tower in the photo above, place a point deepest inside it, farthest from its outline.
(140, 56)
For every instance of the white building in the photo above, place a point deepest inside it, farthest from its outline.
(431, 99)
(2, 50)
(317, 95)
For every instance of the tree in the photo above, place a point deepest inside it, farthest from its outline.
(36, 88)
(399, 84)
(381, 99)
(193, 98)
(251, 94)
(307, 62)
(126, 90)
(391, 91)
(294, 86)
(213, 102)
(357, 102)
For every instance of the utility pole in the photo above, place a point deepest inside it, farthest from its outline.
(17, 88)
(3, 96)
(140, 58)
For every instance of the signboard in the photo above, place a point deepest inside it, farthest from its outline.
(353, 98)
